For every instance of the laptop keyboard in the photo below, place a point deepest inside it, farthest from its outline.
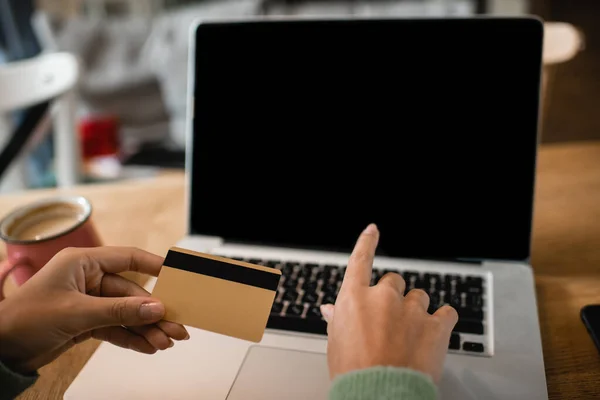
(305, 286)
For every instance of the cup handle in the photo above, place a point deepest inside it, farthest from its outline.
(6, 267)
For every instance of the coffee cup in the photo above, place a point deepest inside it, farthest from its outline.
(34, 233)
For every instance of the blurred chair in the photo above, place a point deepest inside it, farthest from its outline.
(38, 85)
(102, 8)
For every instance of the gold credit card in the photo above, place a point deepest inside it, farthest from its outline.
(217, 294)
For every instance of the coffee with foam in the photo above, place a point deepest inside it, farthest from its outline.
(44, 222)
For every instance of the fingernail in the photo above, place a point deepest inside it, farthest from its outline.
(187, 336)
(371, 229)
(151, 311)
(171, 344)
(327, 312)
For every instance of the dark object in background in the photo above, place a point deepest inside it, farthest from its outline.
(18, 42)
(99, 136)
(20, 136)
(590, 315)
(156, 155)
(479, 5)
(16, 32)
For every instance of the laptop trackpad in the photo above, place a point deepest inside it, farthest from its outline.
(269, 373)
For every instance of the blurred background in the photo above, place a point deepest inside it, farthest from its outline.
(128, 106)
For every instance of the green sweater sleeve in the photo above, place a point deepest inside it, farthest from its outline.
(383, 383)
(12, 383)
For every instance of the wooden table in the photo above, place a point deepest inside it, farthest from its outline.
(566, 257)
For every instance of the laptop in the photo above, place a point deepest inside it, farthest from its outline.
(304, 131)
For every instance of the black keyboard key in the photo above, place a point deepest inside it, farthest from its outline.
(297, 272)
(419, 283)
(409, 276)
(473, 290)
(434, 300)
(310, 285)
(306, 272)
(290, 283)
(313, 312)
(474, 300)
(276, 309)
(433, 284)
(472, 284)
(287, 270)
(455, 300)
(254, 261)
(473, 347)
(324, 275)
(454, 341)
(469, 326)
(429, 277)
(333, 280)
(310, 297)
(295, 310)
(305, 325)
(290, 295)
(272, 263)
(328, 299)
(470, 313)
(452, 283)
(474, 281)
(237, 258)
(330, 288)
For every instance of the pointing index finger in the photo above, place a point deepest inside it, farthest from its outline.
(360, 264)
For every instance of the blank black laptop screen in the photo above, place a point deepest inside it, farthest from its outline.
(304, 132)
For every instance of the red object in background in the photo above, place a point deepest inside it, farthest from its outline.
(99, 136)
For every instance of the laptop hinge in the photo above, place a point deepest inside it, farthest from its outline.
(473, 261)
(470, 261)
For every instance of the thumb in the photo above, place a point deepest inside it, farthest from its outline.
(128, 311)
(327, 311)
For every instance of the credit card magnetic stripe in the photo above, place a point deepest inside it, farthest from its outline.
(222, 270)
